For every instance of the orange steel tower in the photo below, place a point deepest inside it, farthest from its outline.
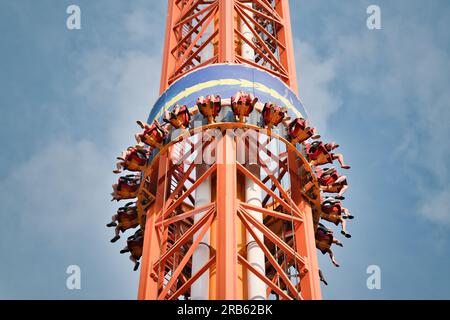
(227, 201)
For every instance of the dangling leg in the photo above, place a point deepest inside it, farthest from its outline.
(113, 221)
(340, 158)
(344, 228)
(117, 236)
(137, 136)
(136, 263)
(343, 190)
(321, 277)
(330, 252)
(314, 135)
(340, 179)
(347, 214)
(119, 166)
(125, 250)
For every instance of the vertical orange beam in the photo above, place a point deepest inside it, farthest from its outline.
(287, 57)
(148, 283)
(226, 263)
(304, 238)
(226, 31)
(169, 60)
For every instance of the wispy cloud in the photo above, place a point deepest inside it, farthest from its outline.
(59, 196)
(316, 74)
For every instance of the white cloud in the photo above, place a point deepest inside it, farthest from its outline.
(316, 75)
(145, 23)
(437, 208)
(407, 77)
(60, 195)
(124, 86)
(62, 189)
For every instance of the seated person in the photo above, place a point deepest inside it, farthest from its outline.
(126, 188)
(324, 240)
(133, 159)
(126, 218)
(299, 131)
(179, 117)
(134, 246)
(330, 201)
(332, 212)
(320, 153)
(331, 182)
(272, 115)
(153, 135)
(243, 104)
(209, 107)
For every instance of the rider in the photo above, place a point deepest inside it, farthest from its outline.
(272, 114)
(132, 159)
(125, 218)
(243, 104)
(320, 153)
(134, 246)
(126, 188)
(332, 211)
(299, 131)
(179, 117)
(330, 181)
(153, 135)
(209, 107)
(324, 240)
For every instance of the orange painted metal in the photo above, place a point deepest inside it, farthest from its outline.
(226, 30)
(305, 240)
(170, 240)
(226, 265)
(148, 285)
(187, 37)
(169, 234)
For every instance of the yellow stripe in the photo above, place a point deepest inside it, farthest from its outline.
(228, 82)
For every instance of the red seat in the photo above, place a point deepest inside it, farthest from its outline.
(272, 114)
(243, 106)
(210, 107)
(179, 117)
(298, 131)
(154, 135)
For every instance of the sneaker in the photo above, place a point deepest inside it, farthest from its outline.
(136, 266)
(115, 239)
(346, 167)
(111, 224)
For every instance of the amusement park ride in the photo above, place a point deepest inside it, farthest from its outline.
(226, 186)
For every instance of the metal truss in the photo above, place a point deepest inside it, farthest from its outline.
(203, 32)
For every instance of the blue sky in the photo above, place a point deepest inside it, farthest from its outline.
(69, 100)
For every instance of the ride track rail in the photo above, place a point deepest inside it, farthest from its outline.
(144, 194)
(178, 244)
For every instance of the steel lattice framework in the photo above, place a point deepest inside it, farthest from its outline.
(210, 213)
(288, 227)
(187, 37)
